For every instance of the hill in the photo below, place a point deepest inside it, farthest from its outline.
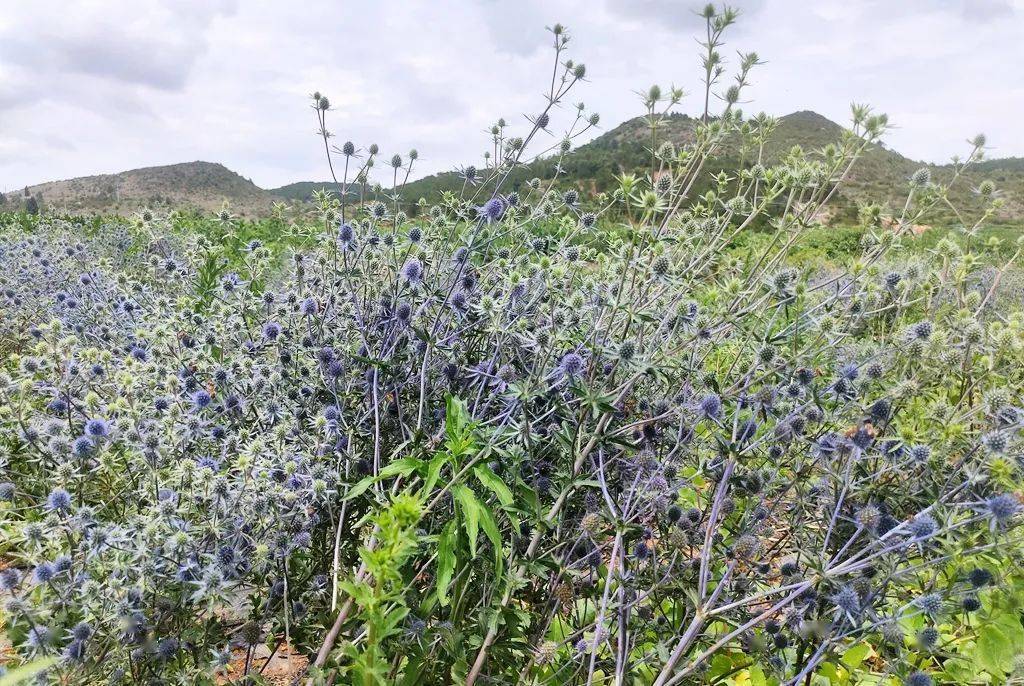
(881, 175)
(203, 186)
(302, 191)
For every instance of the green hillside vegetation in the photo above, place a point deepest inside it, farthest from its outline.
(881, 174)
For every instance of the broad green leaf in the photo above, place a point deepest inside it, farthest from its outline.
(359, 488)
(446, 560)
(995, 651)
(470, 512)
(491, 531)
(855, 655)
(830, 672)
(27, 671)
(1009, 624)
(456, 418)
(493, 482)
(963, 668)
(404, 466)
(433, 473)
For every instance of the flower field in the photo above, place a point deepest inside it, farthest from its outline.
(529, 435)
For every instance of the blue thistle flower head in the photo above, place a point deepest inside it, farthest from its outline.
(711, 406)
(97, 428)
(62, 564)
(979, 577)
(44, 572)
(59, 500)
(201, 399)
(928, 637)
(922, 526)
(39, 636)
(167, 648)
(412, 271)
(847, 600)
(920, 453)
(572, 365)
(918, 679)
(9, 579)
(1001, 508)
(346, 235)
(207, 462)
(492, 210)
(930, 603)
(271, 331)
(75, 651)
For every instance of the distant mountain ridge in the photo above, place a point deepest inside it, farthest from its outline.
(881, 174)
(203, 186)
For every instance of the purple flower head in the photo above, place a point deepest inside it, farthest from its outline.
(310, 307)
(271, 331)
(918, 679)
(39, 637)
(9, 579)
(346, 235)
(59, 500)
(83, 446)
(492, 210)
(572, 365)
(43, 572)
(979, 577)
(81, 631)
(75, 651)
(403, 311)
(97, 428)
(922, 526)
(1002, 508)
(847, 601)
(711, 406)
(208, 462)
(412, 272)
(325, 354)
(930, 603)
(230, 283)
(201, 399)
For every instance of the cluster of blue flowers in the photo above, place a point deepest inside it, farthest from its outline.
(677, 452)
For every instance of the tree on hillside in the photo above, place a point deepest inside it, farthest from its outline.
(32, 205)
(3, 199)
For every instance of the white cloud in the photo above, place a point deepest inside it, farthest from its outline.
(93, 87)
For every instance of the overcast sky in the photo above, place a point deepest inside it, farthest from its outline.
(100, 86)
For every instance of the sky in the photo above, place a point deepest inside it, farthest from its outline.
(91, 87)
